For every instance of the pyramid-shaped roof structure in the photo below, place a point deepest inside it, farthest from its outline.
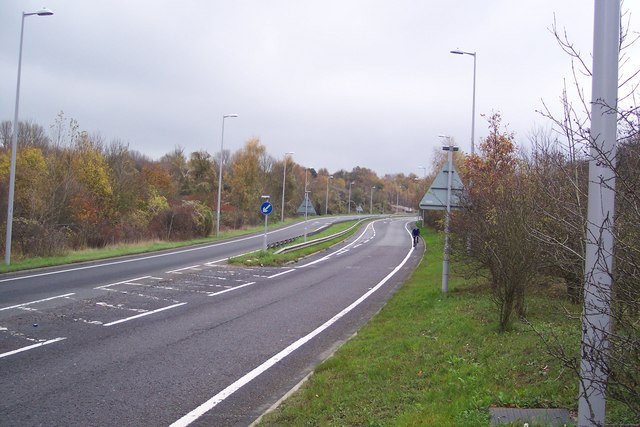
(310, 210)
(436, 197)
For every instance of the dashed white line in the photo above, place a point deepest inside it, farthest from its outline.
(124, 282)
(193, 267)
(281, 273)
(35, 302)
(144, 314)
(31, 347)
(232, 289)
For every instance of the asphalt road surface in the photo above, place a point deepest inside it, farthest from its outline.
(182, 338)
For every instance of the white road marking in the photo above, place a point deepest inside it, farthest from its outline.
(281, 273)
(124, 282)
(35, 302)
(31, 347)
(347, 246)
(193, 267)
(144, 314)
(210, 263)
(121, 307)
(232, 289)
(241, 382)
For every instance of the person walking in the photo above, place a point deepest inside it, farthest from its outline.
(416, 234)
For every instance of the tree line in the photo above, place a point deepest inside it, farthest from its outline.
(74, 190)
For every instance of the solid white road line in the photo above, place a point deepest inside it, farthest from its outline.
(144, 314)
(221, 396)
(31, 347)
(35, 302)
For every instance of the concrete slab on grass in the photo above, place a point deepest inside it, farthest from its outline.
(546, 417)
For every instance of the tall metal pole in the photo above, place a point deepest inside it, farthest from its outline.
(447, 249)
(596, 322)
(445, 258)
(473, 108)
(349, 208)
(306, 203)
(473, 105)
(371, 201)
(220, 175)
(14, 142)
(326, 203)
(266, 223)
(284, 182)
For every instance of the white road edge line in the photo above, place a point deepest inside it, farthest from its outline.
(35, 302)
(137, 316)
(31, 347)
(221, 396)
(231, 289)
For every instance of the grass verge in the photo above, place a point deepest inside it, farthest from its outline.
(437, 360)
(118, 250)
(270, 258)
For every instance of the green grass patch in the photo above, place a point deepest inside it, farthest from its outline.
(270, 258)
(433, 359)
(119, 250)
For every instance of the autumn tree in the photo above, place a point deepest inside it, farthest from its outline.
(492, 225)
(246, 184)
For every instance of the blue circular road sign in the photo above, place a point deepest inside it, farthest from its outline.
(266, 208)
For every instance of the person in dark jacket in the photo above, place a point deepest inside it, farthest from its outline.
(416, 234)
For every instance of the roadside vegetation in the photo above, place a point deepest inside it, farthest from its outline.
(76, 191)
(434, 359)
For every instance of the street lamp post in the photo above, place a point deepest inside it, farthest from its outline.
(445, 259)
(220, 175)
(306, 203)
(349, 208)
(326, 203)
(473, 105)
(266, 223)
(14, 140)
(284, 181)
(371, 200)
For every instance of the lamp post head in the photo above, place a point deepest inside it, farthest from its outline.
(462, 52)
(44, 12)
(229, 115)
(289, 152)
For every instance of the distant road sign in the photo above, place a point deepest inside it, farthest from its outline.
(266, 208)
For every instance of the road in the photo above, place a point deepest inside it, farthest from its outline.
(182, 343)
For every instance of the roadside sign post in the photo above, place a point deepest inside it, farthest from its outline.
(266, 208)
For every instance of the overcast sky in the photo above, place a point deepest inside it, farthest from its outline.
(342, 83)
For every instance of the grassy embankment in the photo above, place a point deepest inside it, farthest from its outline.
(269, 258)
(437, 360)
